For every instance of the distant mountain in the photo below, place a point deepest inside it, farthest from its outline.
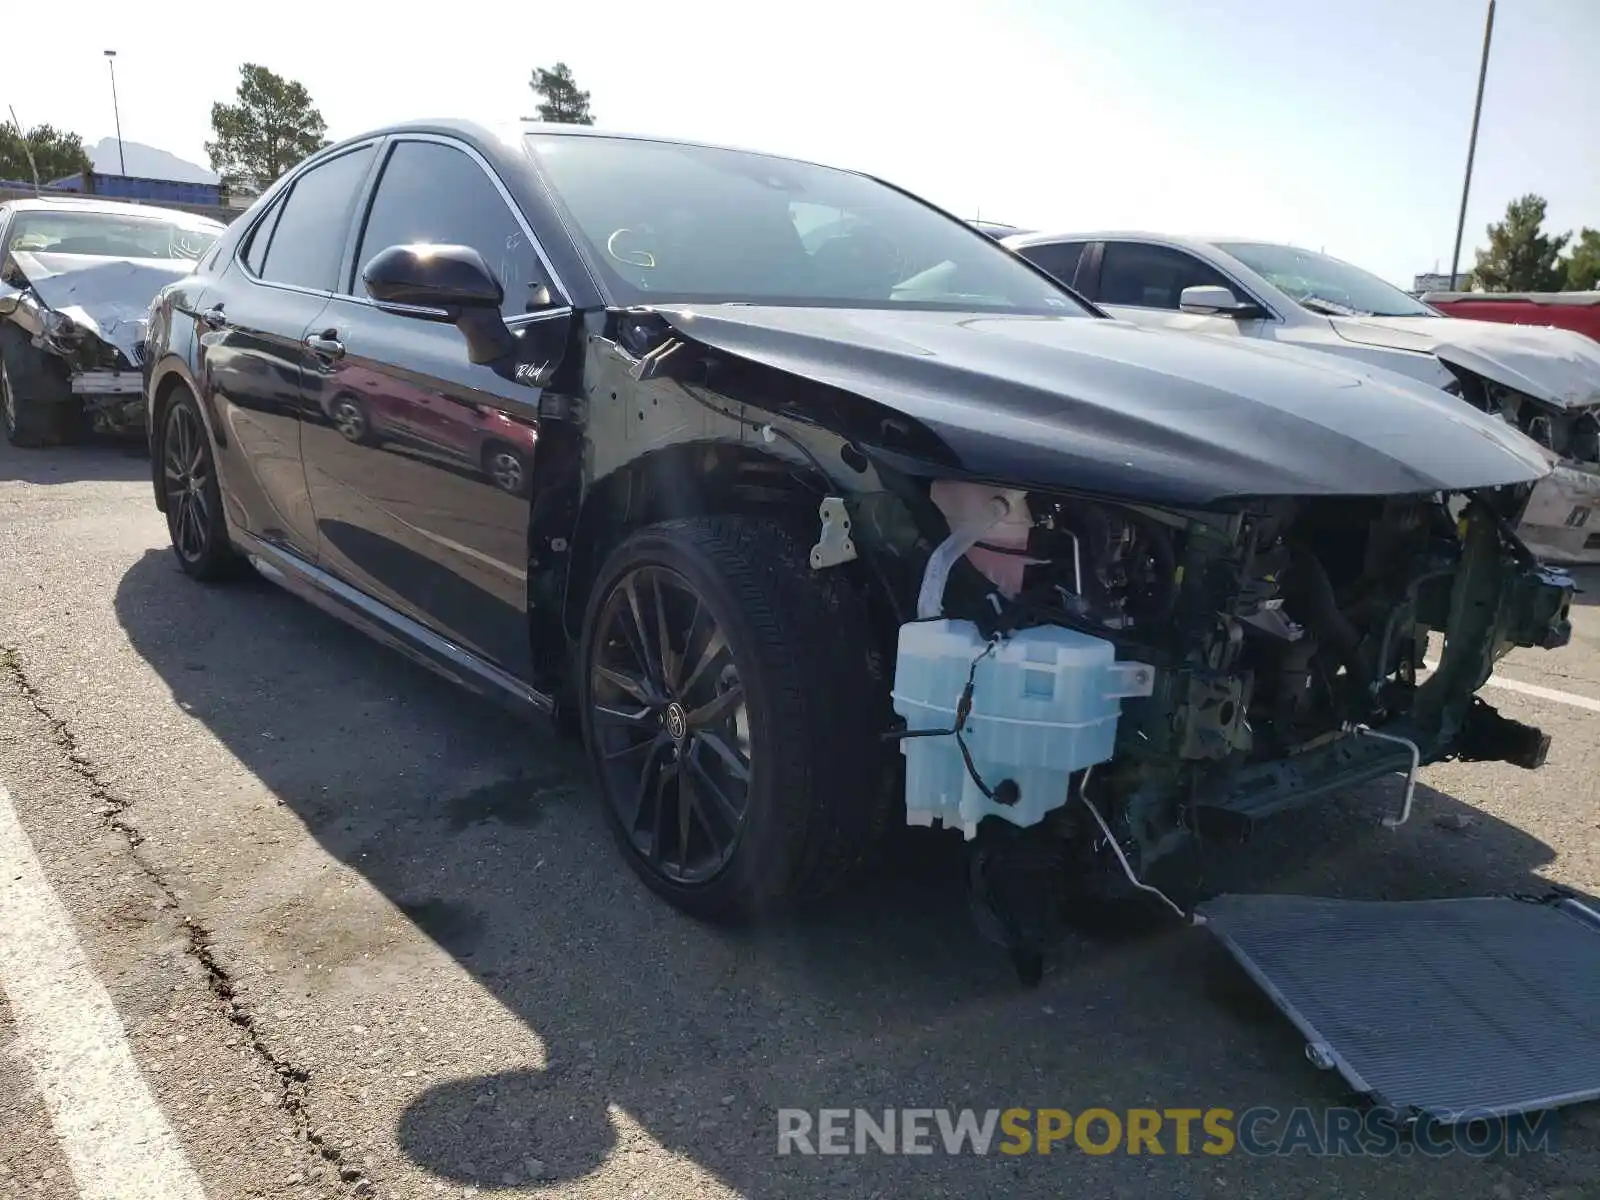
(146, 162)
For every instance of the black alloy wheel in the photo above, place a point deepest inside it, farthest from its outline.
(193, 500)
(672, 728)
(731, 704)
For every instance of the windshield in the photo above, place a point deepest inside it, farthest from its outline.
(667, 222)
(1324, 284)
(107, 235)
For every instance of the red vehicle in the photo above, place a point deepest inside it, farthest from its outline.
(1578, 311)
(372, 408)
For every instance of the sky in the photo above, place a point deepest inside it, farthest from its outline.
(1338, 126)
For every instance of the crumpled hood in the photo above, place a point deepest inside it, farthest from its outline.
(107, 296)
(1103, 406)
(1558, 366)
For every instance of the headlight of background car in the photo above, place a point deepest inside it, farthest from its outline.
(59, 332)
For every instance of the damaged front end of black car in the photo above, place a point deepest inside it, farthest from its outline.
(1102, 629)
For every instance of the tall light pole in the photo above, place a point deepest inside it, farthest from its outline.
(1472, 145)
(111, 61)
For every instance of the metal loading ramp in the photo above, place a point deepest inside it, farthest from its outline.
(1444, 1009)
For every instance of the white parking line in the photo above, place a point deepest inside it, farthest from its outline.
(1534, 690)
(115, 1139)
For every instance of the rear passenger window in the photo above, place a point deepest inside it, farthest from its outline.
(1058, 258)
(1144, 276)
(434, 194)
(308, 238)
(255, 249)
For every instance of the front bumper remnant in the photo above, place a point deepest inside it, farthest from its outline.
(1562, 520)
(107, 383)
(1442, 1010)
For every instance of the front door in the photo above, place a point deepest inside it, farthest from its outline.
(419, 462)
(1141, 282)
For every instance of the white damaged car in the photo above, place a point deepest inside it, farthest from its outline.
(76, 279)
(1544, 381)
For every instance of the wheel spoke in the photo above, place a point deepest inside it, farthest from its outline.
(196, 534)
(633, 629)
(669, 662)
(634, 747)
(657, 817)
(727, 813)
(181, 425)
(735, 765)
(606, 715)
(639, 689)
(650, 771)
(715, 645)
(686, 807)
(712, 712)
(186, 540)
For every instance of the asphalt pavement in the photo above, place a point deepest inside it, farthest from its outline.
(287, 916)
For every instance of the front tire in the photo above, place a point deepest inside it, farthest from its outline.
(195, 523)
(731, 705)
(37, 407)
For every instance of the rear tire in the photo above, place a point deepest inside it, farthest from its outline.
(768, 661)
(37, 407)
(195, 523)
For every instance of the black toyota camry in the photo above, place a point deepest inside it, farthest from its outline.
(717, 453)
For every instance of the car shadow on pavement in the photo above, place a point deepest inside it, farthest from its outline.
(120, 460)
(657, 1028)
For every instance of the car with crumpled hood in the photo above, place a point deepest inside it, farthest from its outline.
(838, 514)
(1543, 381)
(76, 278)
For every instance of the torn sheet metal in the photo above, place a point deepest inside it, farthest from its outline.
(1557, 366)
(1447, 1009)
(108, 297)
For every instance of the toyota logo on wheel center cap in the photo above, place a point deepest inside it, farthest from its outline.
(676, 721)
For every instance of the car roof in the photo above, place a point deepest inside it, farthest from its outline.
(1125, 235)
(112, 207)
(508, 136)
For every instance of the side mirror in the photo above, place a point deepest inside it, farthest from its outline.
(1213, 300)
(449, 278)
(444, 283)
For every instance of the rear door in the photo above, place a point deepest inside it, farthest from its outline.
(1142, 282)
(419, 462)
(253, 357)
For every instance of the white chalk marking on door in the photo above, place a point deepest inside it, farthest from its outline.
(111, 1130)
(1534, 690)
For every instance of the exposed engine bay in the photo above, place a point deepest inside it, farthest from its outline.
(1278, 654)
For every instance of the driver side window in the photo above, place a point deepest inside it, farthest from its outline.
(1144, 276)
(433, 193)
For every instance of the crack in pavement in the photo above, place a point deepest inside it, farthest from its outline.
(294, 1082)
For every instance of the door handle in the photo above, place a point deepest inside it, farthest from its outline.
(325, 344)
(213, 318)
